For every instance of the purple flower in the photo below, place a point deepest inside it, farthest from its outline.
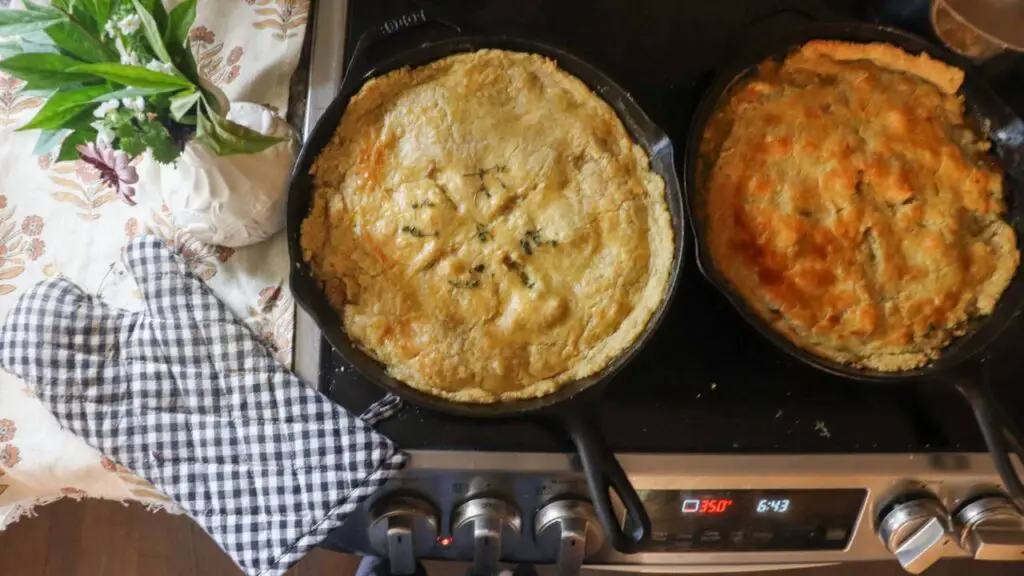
(114, 167)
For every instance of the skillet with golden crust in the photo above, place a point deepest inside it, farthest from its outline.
(852, 208)
(486, 227)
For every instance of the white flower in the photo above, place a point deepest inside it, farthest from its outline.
(104, 135)
(109, 28)
(127, 58)
(129, 24)
(161, 67)
(137, 103)
(106, 108)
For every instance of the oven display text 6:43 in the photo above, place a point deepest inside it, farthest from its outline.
(772, 506)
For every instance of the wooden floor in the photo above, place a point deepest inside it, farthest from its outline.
(98, 538)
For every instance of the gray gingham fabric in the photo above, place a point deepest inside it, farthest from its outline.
(187, 397)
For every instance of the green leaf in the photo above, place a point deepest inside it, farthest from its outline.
(99, 9)
(65, 106)
(8, 49)
(226, 138)
(42, 9)
(131, 93)
(76, 138)
(37, 41)
(132, 145)
(179, 22)
(134, 76)
(186, 63)
(152, 30)
(160, 143)
(18, 22)
(70, 37)
(157, 10)
(48, 140)
(44, 71)
(86, 19)
(183, 102)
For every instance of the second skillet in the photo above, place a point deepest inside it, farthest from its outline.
(959, 363)
(569, 406)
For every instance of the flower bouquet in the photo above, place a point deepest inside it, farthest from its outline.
(121, 80)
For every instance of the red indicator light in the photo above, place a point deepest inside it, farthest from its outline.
(444, 541)
(705, 505)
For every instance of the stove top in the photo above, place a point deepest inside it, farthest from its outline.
(790, 466)
(707, 383)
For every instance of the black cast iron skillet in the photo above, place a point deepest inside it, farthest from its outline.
(961, 363)
(572, 406)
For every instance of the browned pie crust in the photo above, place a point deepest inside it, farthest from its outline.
(852, 208)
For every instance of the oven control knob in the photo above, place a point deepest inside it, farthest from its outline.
(570, 531)
(991, 528)
(402, 528)
(916, 532)
(489, 523)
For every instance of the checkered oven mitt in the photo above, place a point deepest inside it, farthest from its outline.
(187, 397)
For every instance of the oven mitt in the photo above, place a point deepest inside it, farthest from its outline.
(187, 397)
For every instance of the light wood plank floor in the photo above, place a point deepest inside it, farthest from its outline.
(99, 538)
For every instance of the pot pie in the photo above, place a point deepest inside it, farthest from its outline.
(486, 228)
(851, 206)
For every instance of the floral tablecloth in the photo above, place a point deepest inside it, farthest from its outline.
(58, 219)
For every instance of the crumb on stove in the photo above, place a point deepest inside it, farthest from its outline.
(822, 429)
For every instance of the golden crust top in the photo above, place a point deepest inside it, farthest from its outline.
(851, 206)
(487, 228)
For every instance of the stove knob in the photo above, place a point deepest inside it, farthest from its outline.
(991, 528)
(402, 527)
(569, 530)
(488, 523)
(916, 532)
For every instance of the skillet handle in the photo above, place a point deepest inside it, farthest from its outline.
(999, 433)
(358, 67)
(1004, 127)
(604, 474)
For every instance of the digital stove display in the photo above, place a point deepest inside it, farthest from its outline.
(752, 520)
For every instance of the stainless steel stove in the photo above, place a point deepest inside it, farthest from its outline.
(744, 459)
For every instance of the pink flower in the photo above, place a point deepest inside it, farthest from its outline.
(108, 464)
(131, 228)
(32, 226)
(7, 430)
(36, 249)
(267, 300)
(223, 253)
(10, 456)
(201, 34)
(10, 83)
(114, 167)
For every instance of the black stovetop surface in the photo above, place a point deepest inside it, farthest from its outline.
(706, 383)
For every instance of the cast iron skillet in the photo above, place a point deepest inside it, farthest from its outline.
(960, 364)
(571, 406)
